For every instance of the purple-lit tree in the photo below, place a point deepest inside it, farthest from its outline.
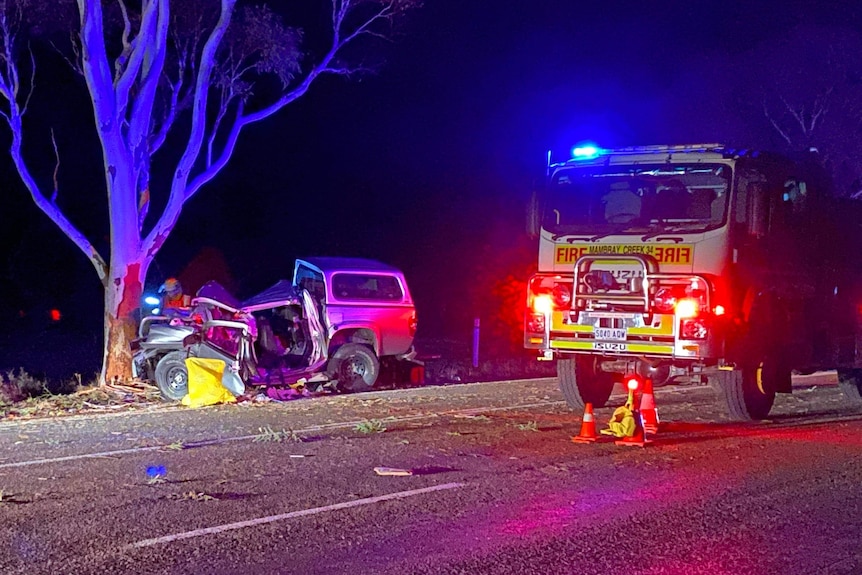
(197, 70)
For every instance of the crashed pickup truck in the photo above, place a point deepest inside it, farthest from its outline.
(331, 325)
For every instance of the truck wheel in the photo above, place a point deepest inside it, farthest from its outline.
(581, 383)
(850, 382)
(743, 390)
(354, 366)
(172, 376)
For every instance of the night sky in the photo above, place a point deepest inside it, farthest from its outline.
(428, 164)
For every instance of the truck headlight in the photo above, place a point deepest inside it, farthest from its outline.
(562, 296)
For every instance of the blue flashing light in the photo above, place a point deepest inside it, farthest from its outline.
(152, 300)
(586, 152)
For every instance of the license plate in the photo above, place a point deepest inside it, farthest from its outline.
(609, 346)
(615, 334)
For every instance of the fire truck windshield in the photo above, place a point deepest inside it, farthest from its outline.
(682, 197)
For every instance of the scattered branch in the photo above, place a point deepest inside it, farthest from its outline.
(56, 168)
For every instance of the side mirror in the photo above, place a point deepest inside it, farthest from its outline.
(758, 211)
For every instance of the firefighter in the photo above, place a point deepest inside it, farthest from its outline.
(174, 297)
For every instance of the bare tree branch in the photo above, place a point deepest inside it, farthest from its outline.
(821, 105)
(97, 74)
(56, 169)
(215, 167)
(177, 100)
(153, 66)
(140, 47)
(123, 58)
(178, 195)
(775, 125)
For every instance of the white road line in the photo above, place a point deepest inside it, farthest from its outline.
(312, 429)
(291, 515)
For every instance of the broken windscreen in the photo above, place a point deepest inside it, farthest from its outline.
(600, 199)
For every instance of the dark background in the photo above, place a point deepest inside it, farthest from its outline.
(427, 165)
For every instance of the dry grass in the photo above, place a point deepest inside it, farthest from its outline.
(25, 396)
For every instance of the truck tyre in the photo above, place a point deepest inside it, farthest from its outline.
(354, 366)
(582, 383)
(850, 382)
(762, 368)
(172, 376)
(744, 393)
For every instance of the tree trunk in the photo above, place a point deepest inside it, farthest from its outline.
(122, 304)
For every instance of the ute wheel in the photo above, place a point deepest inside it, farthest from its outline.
(172, 376)
(850, 382)
(582, 383)
(354, 366)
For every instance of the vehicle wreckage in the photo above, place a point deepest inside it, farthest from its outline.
(330, 326)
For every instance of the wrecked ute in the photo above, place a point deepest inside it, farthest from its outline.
(274, 339)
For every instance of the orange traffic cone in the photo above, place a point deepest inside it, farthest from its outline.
(648, 410)
(588, 427)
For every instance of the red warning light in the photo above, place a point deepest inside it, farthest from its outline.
(55, 315)
(632, 383)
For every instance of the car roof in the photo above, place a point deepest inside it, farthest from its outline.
(333, 264)
(282, 293)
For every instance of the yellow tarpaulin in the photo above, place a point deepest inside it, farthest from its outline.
(622, 423)
(205, 387)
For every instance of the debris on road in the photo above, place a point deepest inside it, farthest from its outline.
(392, 471)
(91, 399)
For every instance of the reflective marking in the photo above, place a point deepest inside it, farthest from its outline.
(292, 514)
(587, 345)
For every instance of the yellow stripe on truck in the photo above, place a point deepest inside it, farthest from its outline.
(626, 347)
(665, 326)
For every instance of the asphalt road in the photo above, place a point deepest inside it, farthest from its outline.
(496, 487)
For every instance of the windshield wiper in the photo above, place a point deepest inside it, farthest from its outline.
(618, 230)
(555, 237)
(581, 237)
(666, 230)
(597, 237)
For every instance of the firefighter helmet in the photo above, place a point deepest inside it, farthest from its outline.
(171, 287)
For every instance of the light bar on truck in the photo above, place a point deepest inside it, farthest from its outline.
(586, 152)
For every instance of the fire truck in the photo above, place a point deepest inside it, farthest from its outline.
(697, 265)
